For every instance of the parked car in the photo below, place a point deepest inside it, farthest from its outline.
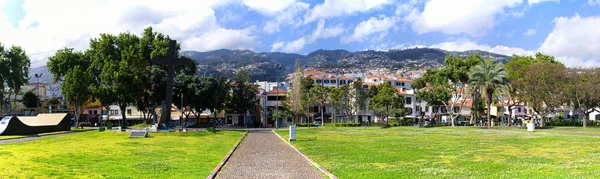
(318, 123)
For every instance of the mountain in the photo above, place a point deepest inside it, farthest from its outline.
(261, 65)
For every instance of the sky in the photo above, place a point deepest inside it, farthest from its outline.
(566, 29)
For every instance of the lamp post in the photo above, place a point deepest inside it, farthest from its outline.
(182, 112)
(277, 67)
(38, 76)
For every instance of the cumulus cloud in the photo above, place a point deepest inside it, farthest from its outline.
(337, 8)
(472, 17)
(287, 17)
(371, 26)
(594, 2)
(465, 45)
(45, 29)
(321, 32)
(529, 32)
(574, 40)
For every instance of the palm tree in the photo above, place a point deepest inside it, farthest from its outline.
(488, 78)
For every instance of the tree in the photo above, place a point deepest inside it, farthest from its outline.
(320, 94)
(30, 100)
(581, 90)
(243, 95)
(400, 113)
(335, 100)
(447, 81)
(14, 66)
(488, 77)
(296, 94)
(354, 98)
(76, 88)
(307, 83)
(542, 88)
(385, 100)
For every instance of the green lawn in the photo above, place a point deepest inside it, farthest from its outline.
(447, 152)
(140, 126)
(5, 137)
(113, 155)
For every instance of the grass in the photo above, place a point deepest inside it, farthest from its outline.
(140, 126)
(453, 152)
(113, 155)
(6, 137)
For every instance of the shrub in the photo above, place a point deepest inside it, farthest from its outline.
(211, 129)
(347, 124)
(109, 125)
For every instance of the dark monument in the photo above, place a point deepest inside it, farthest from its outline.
(171, 60)
(42, 123)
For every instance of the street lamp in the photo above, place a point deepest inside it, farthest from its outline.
(277, 67)
(38, 76)
(181, 112)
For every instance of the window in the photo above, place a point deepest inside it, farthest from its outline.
(90, 111)
(375, 80)
(444, 110)
(325, 81)
(333, 81)
(402, 83)
(436, 109)
(398, 83)
(408, 100)
(349, 81)
(342, 82)
(403, 89)
(426, 109)
(129, 112)
(319, 81)
(456, 109)
(518, 109)
(95, 111)
(114, 112)
(365, 86)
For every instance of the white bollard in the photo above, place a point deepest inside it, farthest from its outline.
(292, 133)
(530, 127)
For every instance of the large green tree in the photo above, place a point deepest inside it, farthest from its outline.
(488, 77)
(321, 94)
(243, 95)
(581, 90)
(385, 101)
(14, 71)
(76, 88)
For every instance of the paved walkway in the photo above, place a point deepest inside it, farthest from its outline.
(8, 141)
(263, 155)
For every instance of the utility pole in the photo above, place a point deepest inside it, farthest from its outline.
(277, 67)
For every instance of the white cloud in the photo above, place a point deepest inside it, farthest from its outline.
(529, 32)
(45, 29)
(532, 2)
(574, 40)
(337, 8)
(465, 45)
(371, 26)
(288, 16)
(268, 7)
(472, 17)
(594, 2)
(319, 33)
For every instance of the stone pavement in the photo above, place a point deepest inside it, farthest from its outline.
(263, 155)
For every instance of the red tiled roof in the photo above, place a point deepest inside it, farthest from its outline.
(314, 72)
(277, 91)
(369, 84)
(403, 80)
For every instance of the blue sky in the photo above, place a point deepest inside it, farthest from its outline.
(563, 28)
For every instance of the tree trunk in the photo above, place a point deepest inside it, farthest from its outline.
(322, 119)
(124, 119)
(585, 120)
(488, 115)
(510, 112)
(452, 119)
(387, 115)
(76, 120)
